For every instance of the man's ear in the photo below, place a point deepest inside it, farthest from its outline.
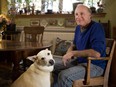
(91, 16)
(32, 58)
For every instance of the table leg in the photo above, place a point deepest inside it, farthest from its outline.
(16, 58)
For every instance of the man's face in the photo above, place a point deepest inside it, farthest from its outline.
(82, 16)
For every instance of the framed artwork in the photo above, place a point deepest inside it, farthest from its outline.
(34, 23)
(61, 22)
(44, 22)
(70, 22)
(52, 22)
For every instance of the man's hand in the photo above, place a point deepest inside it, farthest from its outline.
(67, 57)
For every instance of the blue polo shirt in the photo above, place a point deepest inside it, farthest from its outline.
(93, 37)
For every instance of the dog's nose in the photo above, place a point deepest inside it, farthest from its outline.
(51, 62)
(42, 58)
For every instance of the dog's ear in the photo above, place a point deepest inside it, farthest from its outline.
(46, 49)
(32, 58)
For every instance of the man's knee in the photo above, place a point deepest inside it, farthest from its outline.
(62, 76)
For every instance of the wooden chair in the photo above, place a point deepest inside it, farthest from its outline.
(10, 33)
(107, 30)
(34, 33)
(101, 80)
(114, 32)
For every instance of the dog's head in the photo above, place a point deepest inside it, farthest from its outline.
(44, 60)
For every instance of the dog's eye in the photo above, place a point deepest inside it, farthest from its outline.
(42, 58)
(48, 54)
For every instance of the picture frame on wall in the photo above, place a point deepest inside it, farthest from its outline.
(52, 22)
(70, 22)
(34, 23)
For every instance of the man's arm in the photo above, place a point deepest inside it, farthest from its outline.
(83, 53)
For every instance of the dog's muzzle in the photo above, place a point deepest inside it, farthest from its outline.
(51, 62)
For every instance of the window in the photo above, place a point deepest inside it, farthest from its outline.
(64, 6)
(70, 6)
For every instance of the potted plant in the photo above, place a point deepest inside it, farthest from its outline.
(4, 21)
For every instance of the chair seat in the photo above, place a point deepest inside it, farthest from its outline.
(93, 81)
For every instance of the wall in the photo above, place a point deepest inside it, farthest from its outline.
(56, 25)
(4, 8)
(0, 6)
(63, 35)
(111, 13)
(53, 32)
(109, 9)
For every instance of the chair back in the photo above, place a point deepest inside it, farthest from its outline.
(110, 48)
(106, 26)
(34, 33)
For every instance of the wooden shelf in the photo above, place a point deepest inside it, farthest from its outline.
(56, 15)
(99, 14)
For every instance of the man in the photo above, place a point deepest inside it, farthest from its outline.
(89, 41)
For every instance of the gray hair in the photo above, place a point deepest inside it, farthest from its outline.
(81, 5)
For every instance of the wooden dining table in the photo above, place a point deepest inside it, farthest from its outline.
(17, 48)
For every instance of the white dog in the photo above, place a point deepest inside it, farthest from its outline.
(38, 74)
